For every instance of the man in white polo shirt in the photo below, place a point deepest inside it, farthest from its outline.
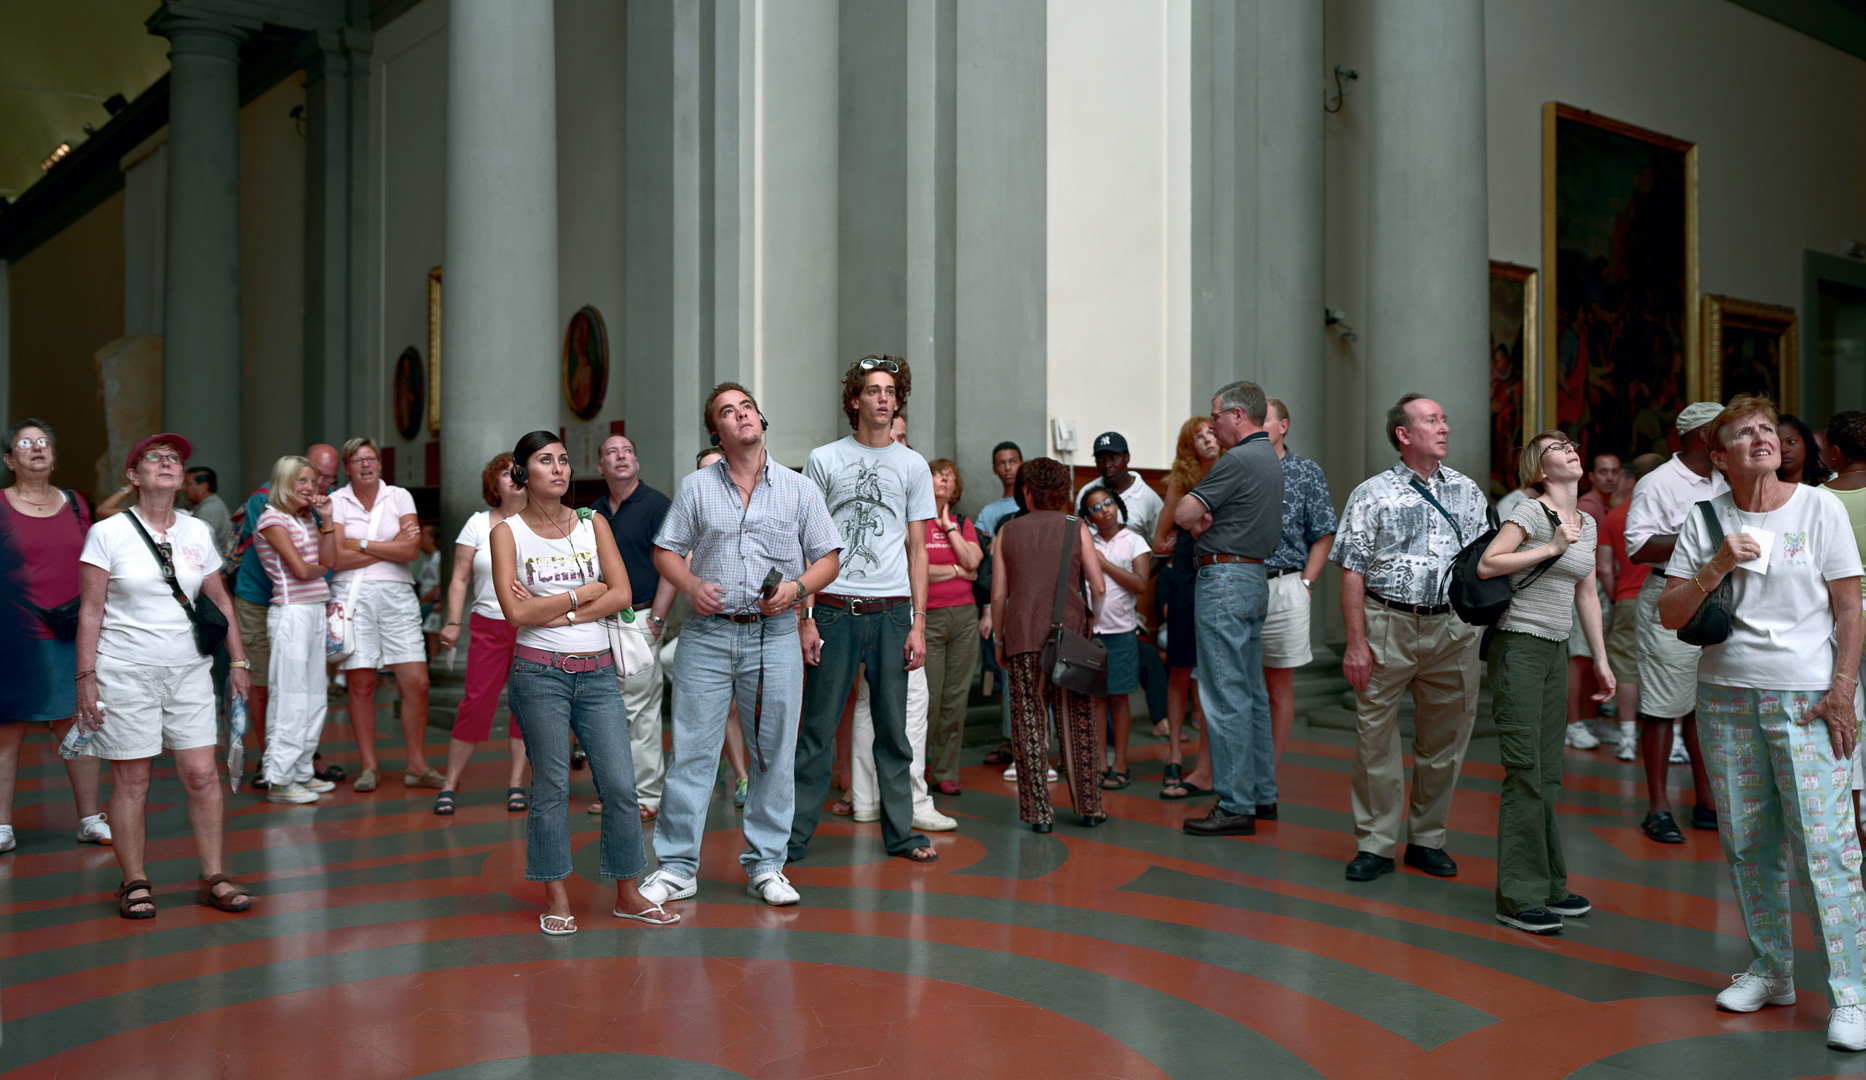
(1668, 668)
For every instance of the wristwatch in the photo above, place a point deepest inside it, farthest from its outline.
(801, 591)
(363, 545)
(656, 619)
(243, 664)
(1307, 584)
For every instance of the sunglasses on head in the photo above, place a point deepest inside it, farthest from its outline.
(870, 363)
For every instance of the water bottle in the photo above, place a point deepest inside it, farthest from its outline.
(77, 739)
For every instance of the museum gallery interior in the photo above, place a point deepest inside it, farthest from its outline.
(440, 224)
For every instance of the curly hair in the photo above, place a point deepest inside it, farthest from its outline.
(855, 378)
(489, 479)
(1082, 510)
(1045, 484)
(951, 466)
(1188, 469)
(1846, 432)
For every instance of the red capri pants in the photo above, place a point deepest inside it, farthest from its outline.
(489, 664)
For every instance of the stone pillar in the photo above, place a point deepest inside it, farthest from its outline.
(145, 215)
(499, 360)
(333, 140)
(201, 377)
(1427, 222)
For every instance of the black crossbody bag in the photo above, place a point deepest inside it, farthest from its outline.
(210, 626)
(1073, 662)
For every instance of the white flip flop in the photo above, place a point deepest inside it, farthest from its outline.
(569, 922)
(642, 916)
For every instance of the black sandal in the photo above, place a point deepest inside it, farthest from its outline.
(515, 800)
(332, 773)
(137, 907)
(444, 804)
(1115, 781)
(1001, 756)
(1662, 828)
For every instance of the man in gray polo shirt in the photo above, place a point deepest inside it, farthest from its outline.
(1236, 514)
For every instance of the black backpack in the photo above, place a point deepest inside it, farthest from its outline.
(1482, 601)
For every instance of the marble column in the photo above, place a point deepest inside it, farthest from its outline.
(145, 216)
(499, 358)
(333, 142)
(201, 376)
(1427, 222)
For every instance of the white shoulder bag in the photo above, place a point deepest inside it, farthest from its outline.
(628, 639)
(340, 615)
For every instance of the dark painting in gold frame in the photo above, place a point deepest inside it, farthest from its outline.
(408, 393)
(1750, 348)
(586, 362)
(1514, 375)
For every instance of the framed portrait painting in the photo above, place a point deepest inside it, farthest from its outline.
(1751, 348)
(1619, 244)
(408, 393)
(586, 363)
(1514, 374)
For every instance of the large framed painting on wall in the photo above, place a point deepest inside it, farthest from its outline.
(1619, 239)
(1750, 348)
(406, 396)
(586, 362)
(1514, 374)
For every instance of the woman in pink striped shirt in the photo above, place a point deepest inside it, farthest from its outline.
(296, 545)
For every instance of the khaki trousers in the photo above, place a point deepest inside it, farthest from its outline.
(1436, 657)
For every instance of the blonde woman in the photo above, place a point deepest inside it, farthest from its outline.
(296, 545)
(1196, 451)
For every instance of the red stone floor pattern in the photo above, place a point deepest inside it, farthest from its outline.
(387, 942)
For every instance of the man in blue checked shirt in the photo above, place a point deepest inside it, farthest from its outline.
(741, 518)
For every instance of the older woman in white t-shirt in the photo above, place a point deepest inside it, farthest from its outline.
(143, 685)
(1529, 677)
(489, 646)
(296, 544)
(1782, 781)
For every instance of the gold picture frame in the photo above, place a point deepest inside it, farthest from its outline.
(1750, 348)
(1515, 373)
(434, 351)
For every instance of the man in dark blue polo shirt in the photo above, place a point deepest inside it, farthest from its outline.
(635, 511)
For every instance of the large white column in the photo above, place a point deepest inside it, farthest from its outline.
(499, 376)
(1427, 222)
(201, 375)
(333, 141)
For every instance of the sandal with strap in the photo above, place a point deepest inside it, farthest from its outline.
(136, 907)
(566, 925)
(444, 804)
(843, 808)
(515, 800)
(922, 854)
(1115, 781)
(653, 915)
(224, 901)
(1662, 828)
(1001, 756)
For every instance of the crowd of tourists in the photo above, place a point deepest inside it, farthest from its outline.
(832, 620)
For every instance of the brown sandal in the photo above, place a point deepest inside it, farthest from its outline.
(843, 808)
(225, 902)
(126, 906)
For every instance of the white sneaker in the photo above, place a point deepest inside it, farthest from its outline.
(866, 816)
(1629, 740)
(94, 830)
(773, 888)
(319, 786)
(1679, 756)
(1846, 1028)
(1748, 992)
(1010, 775)
(660, 887)
(935, 822)
(7, 843)
(290, 793)
(1051, 777)
(1580, 737)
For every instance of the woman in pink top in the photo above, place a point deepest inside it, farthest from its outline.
(296, 543)
(953, 556)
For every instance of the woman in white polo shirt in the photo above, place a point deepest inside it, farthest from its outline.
(378, 535)
(143, 685)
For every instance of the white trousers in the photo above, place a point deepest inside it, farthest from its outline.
(296, 705)
(641, 695)
(862, 746)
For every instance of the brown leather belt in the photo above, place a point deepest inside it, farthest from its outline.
(573, 664)
(1207, 560)
(861, 605)
(644, 607)
(740, 617)
(1410, 609)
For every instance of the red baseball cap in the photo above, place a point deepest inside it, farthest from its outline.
(182, 446)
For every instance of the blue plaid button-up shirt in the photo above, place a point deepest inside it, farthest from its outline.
(735, 542)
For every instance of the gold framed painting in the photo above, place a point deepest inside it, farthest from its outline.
(434, 351)
(1750, 348)
(1619, 242)
(1515, 375)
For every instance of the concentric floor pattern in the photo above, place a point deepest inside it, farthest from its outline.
(391, 943)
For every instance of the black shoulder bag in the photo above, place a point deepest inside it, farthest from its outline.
(210, 626)
(62, 620)
(1481, 601)
(1073, 662)
(1711, 624)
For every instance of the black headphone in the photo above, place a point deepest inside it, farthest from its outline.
(520, 473)
(761, 419)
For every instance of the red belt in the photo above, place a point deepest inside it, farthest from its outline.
(1207, 560)
(573, 664)
(861, 605)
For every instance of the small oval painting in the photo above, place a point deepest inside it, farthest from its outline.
(586, 363)
(407, 402)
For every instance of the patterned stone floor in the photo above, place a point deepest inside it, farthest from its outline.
(390, 943)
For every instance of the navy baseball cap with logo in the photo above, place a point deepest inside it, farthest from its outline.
(1110, 442)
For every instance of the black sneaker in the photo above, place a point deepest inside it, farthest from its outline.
(1573, 907)
(1433, 861)
(1366, 866)
(1534, 921)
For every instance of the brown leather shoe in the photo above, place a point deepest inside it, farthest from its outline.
(1221, 823)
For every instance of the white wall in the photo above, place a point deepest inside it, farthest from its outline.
(1119, 217)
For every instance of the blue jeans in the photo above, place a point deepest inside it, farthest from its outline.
(1231, 600)
(548, 704)
(878, 639)
(716, 660)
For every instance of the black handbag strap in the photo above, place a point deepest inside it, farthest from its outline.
(168, 565)
(1070, 525)
(1440, 507)
(1543, 566)
(1711, 523)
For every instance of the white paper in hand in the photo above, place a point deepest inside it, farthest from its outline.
(1764, 538)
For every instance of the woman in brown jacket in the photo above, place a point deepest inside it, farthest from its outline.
(1025, 558)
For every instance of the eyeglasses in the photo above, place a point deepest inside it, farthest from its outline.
(161, 457)
(870, 363)
(39, 443)
(1546, 447)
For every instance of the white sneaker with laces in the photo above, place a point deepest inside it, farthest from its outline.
(1580, 737)
(1629, 740)
(935, 822)
(1846, 1028)
(7, 843)
(319, 786)
(290, 793)
(94, 830)
(773, 888)
(660, 887)
(1748, 992)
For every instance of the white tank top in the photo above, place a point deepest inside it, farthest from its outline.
(548, 566)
